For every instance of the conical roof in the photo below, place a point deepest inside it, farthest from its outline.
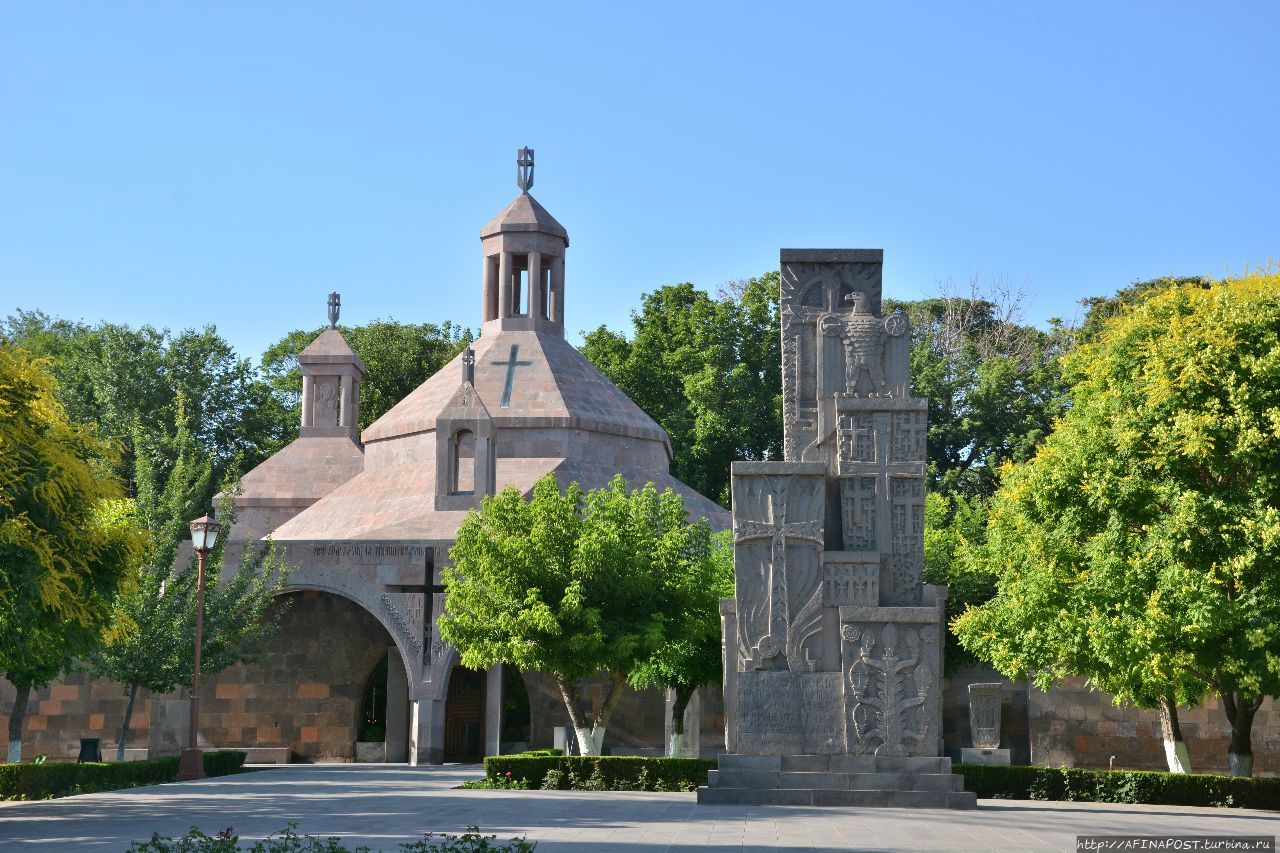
(330, 347)
(524, 214)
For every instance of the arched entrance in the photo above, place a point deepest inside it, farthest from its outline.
(464, 713)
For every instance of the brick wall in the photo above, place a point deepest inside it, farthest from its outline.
(71, 708)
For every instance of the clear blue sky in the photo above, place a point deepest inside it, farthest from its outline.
(180, 163)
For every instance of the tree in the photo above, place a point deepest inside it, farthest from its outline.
(156, 649)
(691, 654)
(120, 378)
(1140, 548)
(707, 370)
(399, 357)
(69, 543)
(572, 584)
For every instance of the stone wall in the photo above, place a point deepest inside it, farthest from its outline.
(638, 721)
(1014, 734)
(307, 691)
(1078, 727)
(71, 708)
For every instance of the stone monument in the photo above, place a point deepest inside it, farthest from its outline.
(984, 726)
(833, 644)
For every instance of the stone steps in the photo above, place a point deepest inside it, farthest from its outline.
(836, 780)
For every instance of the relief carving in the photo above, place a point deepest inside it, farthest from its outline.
(888, 682)
(327, 392)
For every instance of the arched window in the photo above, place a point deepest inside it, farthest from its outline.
(464, 462)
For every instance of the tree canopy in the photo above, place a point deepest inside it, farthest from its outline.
(1140, 547)
(574, 583)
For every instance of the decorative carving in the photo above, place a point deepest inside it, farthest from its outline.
(464, 398)
(984, 714)
(896, 324)
(863, 338)
(792, 581)
(858, 512)
(849, 580)
(888, 685)
(404, 630)
(907, 438)
(326, 400)
(906, 495)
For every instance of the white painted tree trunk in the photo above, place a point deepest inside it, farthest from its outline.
(1175, 753)
(1240, 765)
(15, 751)
(676, 746)
(590, 740)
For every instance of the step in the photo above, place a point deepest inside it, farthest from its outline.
(836, 763)
(760, 779)
(837, 797)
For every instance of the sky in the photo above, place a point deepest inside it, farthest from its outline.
(181, 164)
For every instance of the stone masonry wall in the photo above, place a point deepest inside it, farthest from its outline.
(1014, 734)
(71, 708)
(306, 692)
(1078, 727)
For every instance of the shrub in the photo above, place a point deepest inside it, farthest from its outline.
(1119, 786)
(600, 773)
(45, 781)
(288, 841)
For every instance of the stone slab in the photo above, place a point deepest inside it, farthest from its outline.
(790, 712)
(973, 755)
(267, 755)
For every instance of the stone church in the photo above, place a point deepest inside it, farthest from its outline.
(358, 670)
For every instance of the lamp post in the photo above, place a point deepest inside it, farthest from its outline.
(204, 535)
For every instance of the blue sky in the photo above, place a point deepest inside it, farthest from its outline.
(179, 164)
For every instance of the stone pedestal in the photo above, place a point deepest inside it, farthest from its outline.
(974, 755)
(833, 644)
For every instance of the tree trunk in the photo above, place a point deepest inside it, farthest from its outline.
(124, 727)
(590, 733)
(683, 694)
(17, 717)
(1175, 748)
(1240, 711)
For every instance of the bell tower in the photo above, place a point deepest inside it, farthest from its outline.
(523, 271)
(331, 374)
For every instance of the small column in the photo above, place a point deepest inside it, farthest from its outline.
(729, 662)
(535, 284)
(488, 296)
(426, 732)
(344, 402)
(397, 741)
(504, 285)
(556, 314)
(308, 392)
(493, 710)
(355, 408)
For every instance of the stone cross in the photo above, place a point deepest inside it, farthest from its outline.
(469, 365)
(777, 532)
(510, 364)
(524, 169)
(335, 304)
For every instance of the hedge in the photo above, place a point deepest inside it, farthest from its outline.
(607, 772)
(45, 781)
(1119, 786)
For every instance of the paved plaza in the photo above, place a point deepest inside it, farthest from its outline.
(384, 805)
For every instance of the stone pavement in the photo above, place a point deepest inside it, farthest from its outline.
(383, 805)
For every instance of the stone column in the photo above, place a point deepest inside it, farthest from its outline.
(535, 284)
(556, 314)
(397, 742)
(504, 285)
(308, 393)
(488, 297)
(426, 732)
(344, 402)
(493, 710)
(729, 662)
(355, 408)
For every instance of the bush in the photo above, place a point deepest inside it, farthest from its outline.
(46, 781)
(288, 841)
(1119, 786)
(598, 773)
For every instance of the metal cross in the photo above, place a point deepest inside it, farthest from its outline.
(524, 169)
(510, 364)
(778, 532)
(335, 303)
(469, 365)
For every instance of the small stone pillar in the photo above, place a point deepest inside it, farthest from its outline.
(493, 710)
(396, 742)
(984, 726)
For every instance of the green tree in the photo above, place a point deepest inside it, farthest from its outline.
(119, 378)
(573, 584)
(399, 358)
(69, 544)
(690, 654)
(707, 370)
(155, 650)
(1140, 548)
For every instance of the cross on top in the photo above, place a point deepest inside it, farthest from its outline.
(469, 365)
(335, 304)
(524, 169)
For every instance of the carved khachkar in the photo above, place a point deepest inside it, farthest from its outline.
(984, 714)
(837, 646)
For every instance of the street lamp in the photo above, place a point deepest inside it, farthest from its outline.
(204, 535)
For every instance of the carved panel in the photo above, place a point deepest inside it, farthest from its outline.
(850, 580)
(857, 438)
(858, 512)
(984, 714)
(906, 560)
(778, 536)
(891, 687)
(907, 437)
(327, 391)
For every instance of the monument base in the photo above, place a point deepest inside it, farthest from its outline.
(975, 755)
(836, 780)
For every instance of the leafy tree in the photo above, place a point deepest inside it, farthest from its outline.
(1140, 548)
(707, 370)
(69, 543)
(690, 656)
(399, 357)
(120, 378)
(156, 649)
(572, 584)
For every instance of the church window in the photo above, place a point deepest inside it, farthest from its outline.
(464, 462)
